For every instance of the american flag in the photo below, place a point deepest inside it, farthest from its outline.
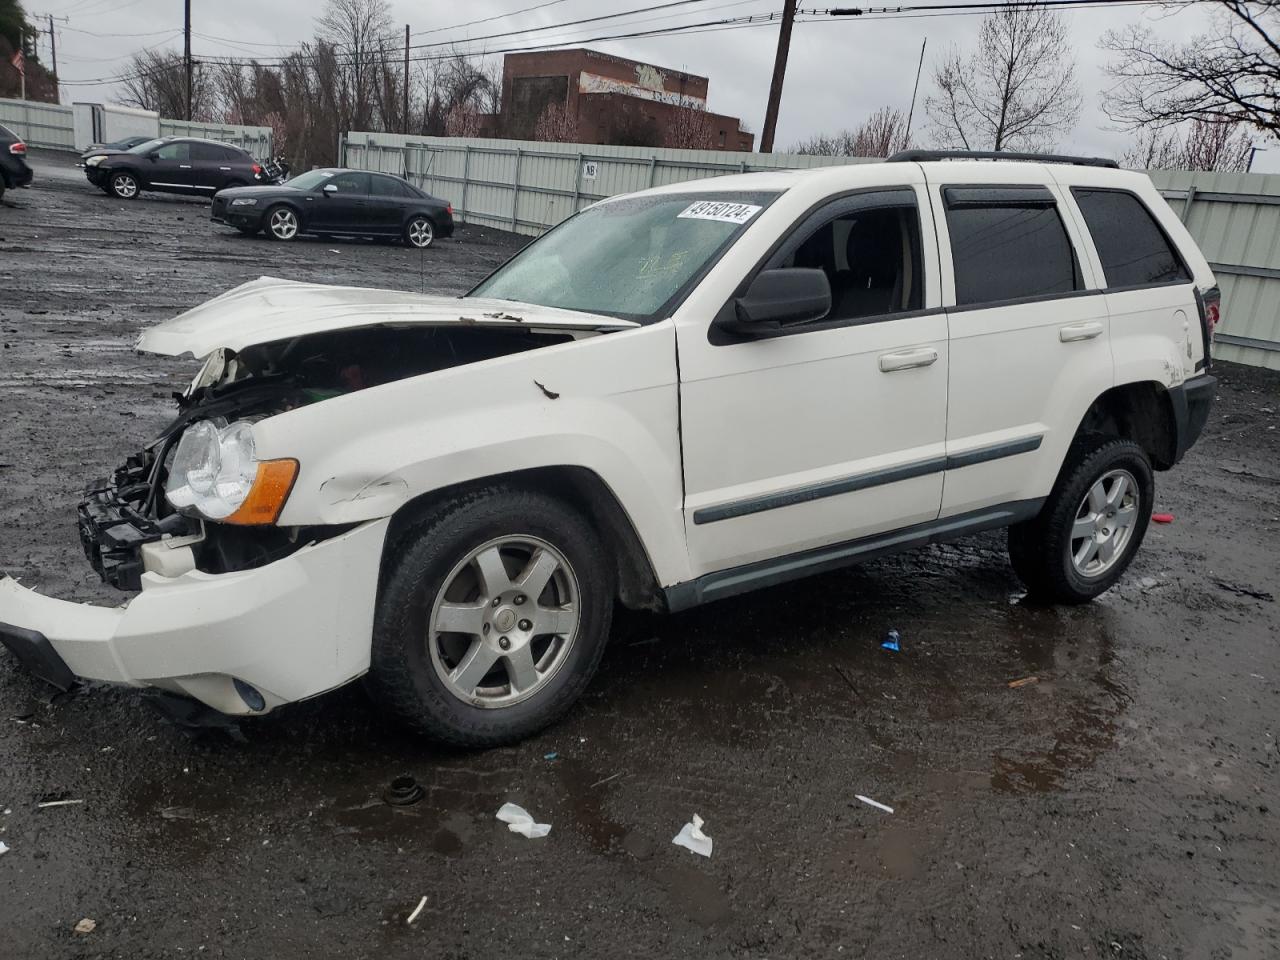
(19, 63)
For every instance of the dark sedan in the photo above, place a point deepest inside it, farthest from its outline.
(336, 201)
(116, 146)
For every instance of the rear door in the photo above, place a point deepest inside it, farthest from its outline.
(1028, 331)
(388, 201)
(345, 208)
(211, 166)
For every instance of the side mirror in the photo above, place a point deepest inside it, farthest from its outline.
(778, 298)
(330, 188)
(153, 157)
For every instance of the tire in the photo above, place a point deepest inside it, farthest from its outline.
(233, 184)
(281, 223)
(3, 187)
(432, 576)
(1103, 481)
(419, 232)
(123, 185)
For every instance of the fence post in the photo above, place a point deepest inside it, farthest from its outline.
(577, 185)
(1191, 198)
(515, 189)
(653, 167)
(466, 180)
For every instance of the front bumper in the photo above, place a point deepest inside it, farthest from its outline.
(244, 217)
(291, 629)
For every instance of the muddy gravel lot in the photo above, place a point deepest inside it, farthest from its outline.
(1124, 804)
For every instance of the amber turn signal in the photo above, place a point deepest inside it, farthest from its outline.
(270, 490)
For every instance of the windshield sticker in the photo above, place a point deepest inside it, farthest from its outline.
(721, 210)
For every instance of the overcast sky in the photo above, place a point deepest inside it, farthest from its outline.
(839, 71)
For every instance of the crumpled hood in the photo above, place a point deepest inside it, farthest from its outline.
(270, 309)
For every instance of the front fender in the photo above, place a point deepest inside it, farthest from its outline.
(607, 403)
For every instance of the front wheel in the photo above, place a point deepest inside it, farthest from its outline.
(282, 223)
(493, 618)
(1090, 527)
(124, 185)
(419, 232)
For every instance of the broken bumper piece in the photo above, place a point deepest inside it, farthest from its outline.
(242, 643)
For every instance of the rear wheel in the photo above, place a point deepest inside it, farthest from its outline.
(124, 185)
(282, 223)
(1091, 526)
(419, 232)
(493, 618)
(235, 183)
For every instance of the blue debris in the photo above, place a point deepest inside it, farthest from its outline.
(891, 642)
(551, 756)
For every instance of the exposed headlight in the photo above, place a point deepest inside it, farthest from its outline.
(216, 473)
(94, 161)
(244, 202)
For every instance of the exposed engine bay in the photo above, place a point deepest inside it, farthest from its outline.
(122, 513)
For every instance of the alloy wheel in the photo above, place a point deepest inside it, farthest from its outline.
(283, 224)
(504, 621)
(125, 186)
(1104, 523)
(420, 233)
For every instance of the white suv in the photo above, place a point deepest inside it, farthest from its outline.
(673, 397)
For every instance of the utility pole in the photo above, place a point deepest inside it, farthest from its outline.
(405, 120)
(186, 51)
(906, 137)
(53, 46)
(779, 71)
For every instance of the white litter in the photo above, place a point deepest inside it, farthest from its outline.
(872, 803)
(417, 910)
(4, 848)
(519, 821)
(692, 838)
(57, 803)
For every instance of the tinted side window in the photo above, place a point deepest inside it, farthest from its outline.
(175, 151)
(351, 182)
(1007, 243)
(206, 152)
(387, 187)
(869, 248)
(1133, 248)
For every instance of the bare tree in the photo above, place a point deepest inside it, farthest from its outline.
(462, 120)
(556, 124)
(691, 128)
(157, 80)
(356, 29)
(1232, 73)
(880, 135)
(1206, 145)
(1017, 90)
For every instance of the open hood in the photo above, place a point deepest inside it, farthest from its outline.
(268, 309)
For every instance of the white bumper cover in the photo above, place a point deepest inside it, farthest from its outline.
(292, 629)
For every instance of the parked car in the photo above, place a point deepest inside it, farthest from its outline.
(340, 201)
(174, 165)
(116, 146)
(672, 398)
(14, 171)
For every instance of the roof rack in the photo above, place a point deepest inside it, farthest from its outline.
(904, 156)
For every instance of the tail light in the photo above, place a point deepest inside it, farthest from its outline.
(257, 169)
(449, 209)
(18, 148)
(1210, 304)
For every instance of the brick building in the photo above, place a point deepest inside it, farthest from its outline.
(608, 99)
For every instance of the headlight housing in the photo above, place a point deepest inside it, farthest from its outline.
(244, 202)
(216, 473)
(94, 161)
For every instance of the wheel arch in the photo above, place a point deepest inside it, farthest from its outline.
(1141, 411)
(580, 487)
(294, 206)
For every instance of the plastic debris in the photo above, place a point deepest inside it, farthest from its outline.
(873, 803)
(1015, 684)
(692, 838)
(604, 781)
(417, 910)
(518, 820)
(56, 803)
(404, 790)
(551, 756)
(85, 926)
(892, 641)
(1162, 517)
(4, 848)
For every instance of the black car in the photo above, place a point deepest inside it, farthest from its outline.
(351, 202)
(14, 171)
(116, 146)
(174, 165)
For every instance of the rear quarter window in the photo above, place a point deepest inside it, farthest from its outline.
(1133, 248)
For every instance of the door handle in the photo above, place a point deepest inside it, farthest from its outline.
(224, 168)
(184, 166)
(907, 359)
(1079, 331)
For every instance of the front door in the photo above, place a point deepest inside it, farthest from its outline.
(343, 207)
(830, 431)
(170, 167)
